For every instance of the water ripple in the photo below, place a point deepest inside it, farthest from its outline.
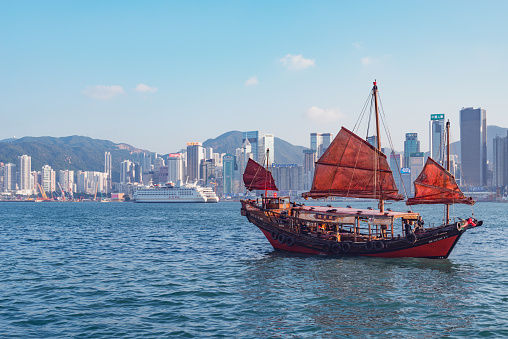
(190, 271)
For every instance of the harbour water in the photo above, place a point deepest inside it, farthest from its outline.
(95, 270)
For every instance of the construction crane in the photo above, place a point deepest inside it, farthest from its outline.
(43, 193)
(63, 192)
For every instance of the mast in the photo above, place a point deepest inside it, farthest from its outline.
(378, 137)
(267, 157)
(447, 208)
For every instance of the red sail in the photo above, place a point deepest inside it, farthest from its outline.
(435, 185)
(351, 167)
(256, 177)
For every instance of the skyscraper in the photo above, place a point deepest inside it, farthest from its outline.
(66, 180)
(9, 177)
(126, 171)
(473, 146)
(24, 171)
(260, 142)
(319, 142)
(396, 166)
(48, 178)
(309, 164)
(500, 161)
(416, 163)
(108, 170)
(175, 167)
(228, 173)
(411, 145)
(372, 140)
(437, 137)
(194, 156)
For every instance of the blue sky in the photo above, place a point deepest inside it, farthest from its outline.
(158, 74)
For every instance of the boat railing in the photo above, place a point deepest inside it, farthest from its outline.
(360, 231)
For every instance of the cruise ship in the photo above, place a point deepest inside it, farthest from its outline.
(170, 192)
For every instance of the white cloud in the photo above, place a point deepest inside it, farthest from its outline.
(367, 61)
(145, 88)
(324, 114)
(359, 45)
(296, 62)
(101, 92)
(252, 81)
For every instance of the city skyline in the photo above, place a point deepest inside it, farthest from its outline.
(159, 74)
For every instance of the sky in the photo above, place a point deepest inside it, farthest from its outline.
(159, 74)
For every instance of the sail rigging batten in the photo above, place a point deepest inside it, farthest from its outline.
(351, 167)
(256, 177)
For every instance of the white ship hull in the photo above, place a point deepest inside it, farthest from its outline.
(175, 194)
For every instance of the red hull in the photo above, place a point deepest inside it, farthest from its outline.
(440, 248)
(437, 249)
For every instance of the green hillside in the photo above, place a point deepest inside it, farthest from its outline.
(87, 154)
(66, 153)
(285, 153)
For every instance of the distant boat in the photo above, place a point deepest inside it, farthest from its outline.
(170, 193)
(353, 168)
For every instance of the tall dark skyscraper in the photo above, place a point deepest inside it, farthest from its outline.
(437, 137)
(500, 149)
(194, 156)
(411, 145)
(473, 146)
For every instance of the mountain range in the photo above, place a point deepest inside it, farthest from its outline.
(67, 153)
(87, 154)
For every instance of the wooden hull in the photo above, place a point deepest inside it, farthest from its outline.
(437, 242)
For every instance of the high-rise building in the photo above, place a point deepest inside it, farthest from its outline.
(126, 171)
(437, 137)
(207, 171)
(243, 155)
(319, 142)
(411, 145)
(372, 140)
(260, 143)
(395, 167)
(48, 179)
(175, 167)
(208, 152)
(24, 171)
(416, 163)
(10, 177)
(2, 167)
(163, 174)
(108, 170)
(228, 173)
(146, 162)
(309, 164)
(66, 180)
(92, 182)
(473, 146)
(405, 179)
(194, 156)
(289, 177)
(138, 172)
(500, 178)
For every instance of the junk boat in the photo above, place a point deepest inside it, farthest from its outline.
(351, 167)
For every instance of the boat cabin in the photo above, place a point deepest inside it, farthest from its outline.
(275, 203)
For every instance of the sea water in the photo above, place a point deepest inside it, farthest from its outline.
(97, 270)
